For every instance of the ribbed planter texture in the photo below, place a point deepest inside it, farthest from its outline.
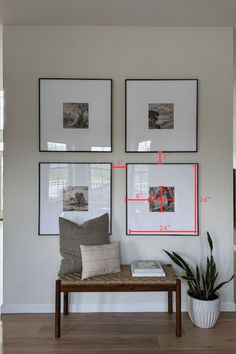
(203, 313)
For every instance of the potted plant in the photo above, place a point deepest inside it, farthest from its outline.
(202, 297)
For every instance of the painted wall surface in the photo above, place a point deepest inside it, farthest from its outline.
(1, 59)
(234, 105)
(31, 262)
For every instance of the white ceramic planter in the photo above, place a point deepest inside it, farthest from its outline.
(203, 313)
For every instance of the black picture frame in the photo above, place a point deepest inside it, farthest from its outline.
(60, 146)
(128, 150)
(196, 201)
(69, 163)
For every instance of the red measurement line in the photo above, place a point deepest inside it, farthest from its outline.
(161, 199)
(149, 199)
(144, 231)
(113, 166)
(159, 157)
(168, 199)
(137, 199)
(164, 199)
(195, 198)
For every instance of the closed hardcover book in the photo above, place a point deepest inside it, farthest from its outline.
(147, 269)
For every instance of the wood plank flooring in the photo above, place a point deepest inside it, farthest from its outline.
(115, 333)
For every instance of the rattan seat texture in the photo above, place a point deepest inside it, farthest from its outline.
(124, 277)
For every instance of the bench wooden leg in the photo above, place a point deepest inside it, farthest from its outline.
(178, 308)
(66, 303)
(58, 309)
(170, 302)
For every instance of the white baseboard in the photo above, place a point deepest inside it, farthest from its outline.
(136, 307)
(228, 307)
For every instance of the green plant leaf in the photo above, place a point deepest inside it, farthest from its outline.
(204, 286)
(190, 278)
(187, 278)
(207, 270)
(174, 259)
(197, 274)
(221, 284)
(210, 242)
(185, 264)
(198, 281)
(201, 286)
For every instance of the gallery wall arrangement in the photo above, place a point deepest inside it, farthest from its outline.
(75, 115)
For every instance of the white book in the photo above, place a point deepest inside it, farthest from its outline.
(149, 275)
(147, 269)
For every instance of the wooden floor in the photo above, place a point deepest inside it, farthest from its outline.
(115, 333)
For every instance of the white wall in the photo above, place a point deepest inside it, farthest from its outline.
(1, 64)
(1, 117)
(31, 262)
(234, 104)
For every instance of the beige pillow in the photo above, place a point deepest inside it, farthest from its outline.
(98, 260)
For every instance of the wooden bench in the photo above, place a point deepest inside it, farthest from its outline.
(119, 282)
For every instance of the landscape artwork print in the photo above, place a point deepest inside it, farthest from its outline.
(162, 199)
(76, 115)
(161, 116)
(75, 198)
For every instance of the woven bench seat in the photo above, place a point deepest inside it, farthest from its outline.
(124, 277)
(119, 282)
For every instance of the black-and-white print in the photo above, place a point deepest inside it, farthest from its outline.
(75, 198)
(161, 116)
(76, 115)
(162, 199)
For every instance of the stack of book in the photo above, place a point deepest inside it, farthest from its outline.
(147, 269)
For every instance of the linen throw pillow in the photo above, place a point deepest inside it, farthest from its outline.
(72, 235)
(99, 260)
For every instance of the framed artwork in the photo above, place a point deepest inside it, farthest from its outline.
(75, 115)
(162, 199)
(161, 115)
(75, 191)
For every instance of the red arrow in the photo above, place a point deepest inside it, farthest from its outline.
(166, 231)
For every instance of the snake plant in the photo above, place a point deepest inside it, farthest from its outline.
(202, 284)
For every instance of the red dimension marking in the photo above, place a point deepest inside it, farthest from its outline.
(151, 231)
(161, 157)
(118, 166)
(164, 227)
(137, 199)
(195, 198)
(161, 198)
(170, 199)
(120, 162)
(204, 199)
